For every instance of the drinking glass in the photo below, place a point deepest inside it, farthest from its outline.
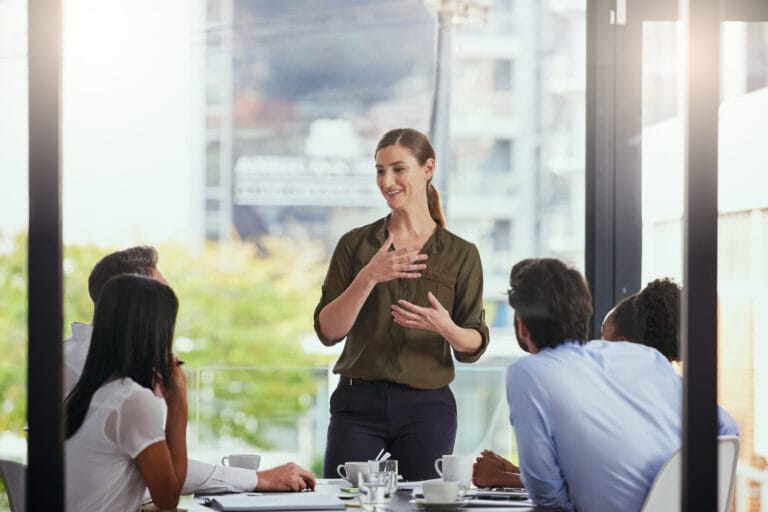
(385, 466)
(375, 490)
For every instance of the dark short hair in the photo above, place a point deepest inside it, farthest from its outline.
(140, 260)
(552, 299)
(622, 318)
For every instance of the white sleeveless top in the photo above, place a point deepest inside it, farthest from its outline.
(122, 420)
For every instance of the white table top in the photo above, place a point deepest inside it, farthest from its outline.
(400, 503)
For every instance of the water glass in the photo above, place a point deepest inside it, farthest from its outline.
(382, 466)
(375, 490)
(385, 466)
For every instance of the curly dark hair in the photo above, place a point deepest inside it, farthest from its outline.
(657, 312)
(552, 299)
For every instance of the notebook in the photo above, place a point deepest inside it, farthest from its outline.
(274, 501)
(500, 493)
(505, 497)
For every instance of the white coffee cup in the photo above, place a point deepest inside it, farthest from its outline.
(455, 468)
(242, 460)
(440, 491)
(350, 471)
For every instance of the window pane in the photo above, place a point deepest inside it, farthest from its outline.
(238, 137)
(743, 210)
(14, 191)
(742, 275)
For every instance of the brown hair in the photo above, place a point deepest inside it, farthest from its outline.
(421, 149)
(140, 260)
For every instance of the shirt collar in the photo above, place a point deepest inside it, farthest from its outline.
(81, 331)
(434, 243)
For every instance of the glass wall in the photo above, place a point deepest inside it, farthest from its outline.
(237, 137)
(743, 219)
(13, 227)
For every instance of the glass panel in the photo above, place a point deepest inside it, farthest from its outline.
(282, 413)
(662, 153)
(175, 125)
(743, 246)
(743, 210)
(14, 191)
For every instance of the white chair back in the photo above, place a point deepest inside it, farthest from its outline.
(14, 476)
(665, 493)
(727, 458)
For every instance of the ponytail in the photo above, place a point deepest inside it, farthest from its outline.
(433, 203)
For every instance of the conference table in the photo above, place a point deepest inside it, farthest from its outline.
(401, 502)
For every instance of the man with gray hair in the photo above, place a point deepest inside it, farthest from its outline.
(201, 477)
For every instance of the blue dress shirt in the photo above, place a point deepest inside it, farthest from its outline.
(595, 423)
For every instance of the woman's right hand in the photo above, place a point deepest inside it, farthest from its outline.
(176, 389)
(387, 265)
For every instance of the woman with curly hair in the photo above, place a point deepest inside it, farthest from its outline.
(650, 316)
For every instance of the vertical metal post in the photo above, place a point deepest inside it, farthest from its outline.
(627, 163)
(226, 126)
(45, 452)
(699, 312)
(613, 249)
(440, 120)
(599, 204)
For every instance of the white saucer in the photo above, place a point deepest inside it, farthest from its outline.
(423, 504)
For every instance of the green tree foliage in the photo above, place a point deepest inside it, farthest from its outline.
(13, 333)
(241, 322)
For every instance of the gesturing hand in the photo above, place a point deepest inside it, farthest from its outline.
(435, 318)
(387, 265)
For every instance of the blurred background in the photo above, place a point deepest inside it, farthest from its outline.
(237, 136)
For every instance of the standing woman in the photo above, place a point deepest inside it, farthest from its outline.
(117, 445)
(407, 295)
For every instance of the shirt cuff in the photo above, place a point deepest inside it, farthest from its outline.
(242, 480)
(207, 478)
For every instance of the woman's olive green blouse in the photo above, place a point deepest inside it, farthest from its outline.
(379, 349)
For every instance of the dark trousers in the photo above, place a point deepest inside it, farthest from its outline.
(415, 425)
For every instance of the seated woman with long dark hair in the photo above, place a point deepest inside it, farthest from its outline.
(117, 444)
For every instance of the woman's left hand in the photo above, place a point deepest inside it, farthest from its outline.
(435, 318)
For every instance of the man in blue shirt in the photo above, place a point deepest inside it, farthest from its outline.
(594, 421)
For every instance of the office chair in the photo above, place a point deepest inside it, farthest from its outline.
(14, 476)
(664, 495)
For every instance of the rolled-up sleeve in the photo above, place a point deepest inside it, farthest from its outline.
(340, 275)
(468, 311)
(203, 477)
